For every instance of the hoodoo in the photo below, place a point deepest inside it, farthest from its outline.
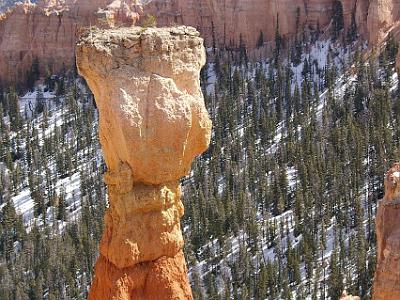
(387, 279)
(153, 122)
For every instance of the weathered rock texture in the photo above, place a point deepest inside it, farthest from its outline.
(153, 123)
(387, 274)
(47, 30)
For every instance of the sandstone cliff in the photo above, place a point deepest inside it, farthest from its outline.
(153, 123)
(387, 279)
(225, 22)
(47, 30)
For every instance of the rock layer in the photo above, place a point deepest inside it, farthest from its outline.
(387, 274)
(153, 123)
(46, 30)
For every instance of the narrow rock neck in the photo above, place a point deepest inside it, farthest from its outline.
(143, 221)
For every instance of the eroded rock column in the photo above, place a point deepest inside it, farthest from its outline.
(153, 123)
(387, 274)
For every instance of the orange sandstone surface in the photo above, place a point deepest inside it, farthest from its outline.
(387, 274)
(153, 123)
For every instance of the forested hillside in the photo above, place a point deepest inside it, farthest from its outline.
(281, 206)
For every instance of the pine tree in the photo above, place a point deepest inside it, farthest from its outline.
(260, 41)
(337, 18)
(335, 280)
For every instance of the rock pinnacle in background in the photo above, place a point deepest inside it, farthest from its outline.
(387, 274)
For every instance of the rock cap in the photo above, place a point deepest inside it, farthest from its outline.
(146, 82)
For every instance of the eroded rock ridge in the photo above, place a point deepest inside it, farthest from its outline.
(153, 123)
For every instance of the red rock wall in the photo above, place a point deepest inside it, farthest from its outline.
(232, 18)
(47, 30)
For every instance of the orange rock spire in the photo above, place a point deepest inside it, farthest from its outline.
(153, 123)
(387, 279)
